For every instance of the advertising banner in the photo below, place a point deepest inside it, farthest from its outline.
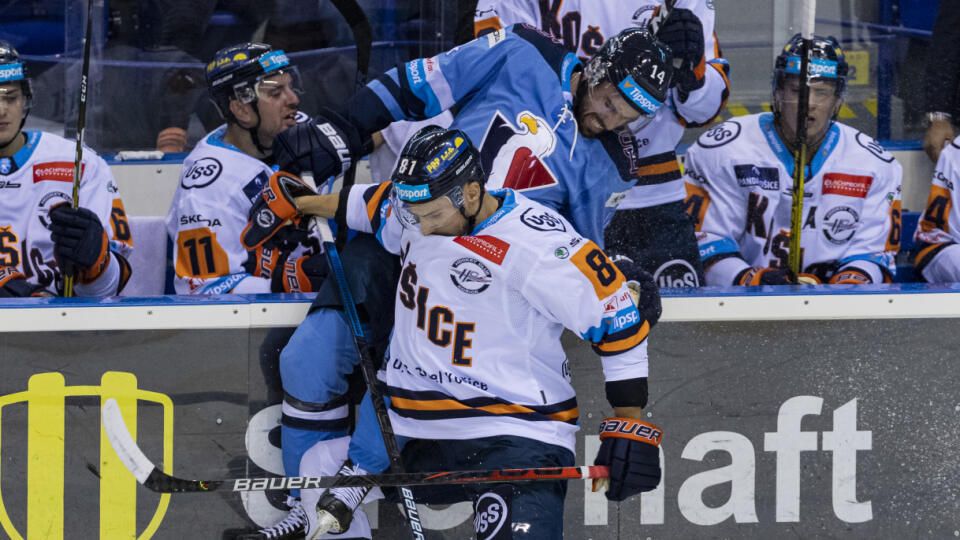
(809, 429)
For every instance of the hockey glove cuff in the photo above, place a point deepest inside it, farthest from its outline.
(630, 448)
(851, 276)
(762, 276)
(304, 274)
(273, 209)
(326, 146)
(80, 244)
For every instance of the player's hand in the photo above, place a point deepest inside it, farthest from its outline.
(630, 447)
(762, 276)
(938, 134)
(80, 244)
(304, 274)
(326, 146)
(13, 284)
(851, 276)
(683, 33)
(273, 208)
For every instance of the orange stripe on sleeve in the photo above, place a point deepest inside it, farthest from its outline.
(373, 205)
(626, 343)
(659, 168)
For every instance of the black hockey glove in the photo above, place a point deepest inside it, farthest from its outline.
(762, 276)
(630, 448)
(13, 284)
(683, 33)
(273, 208)
(80, 244)
(304, 274)
(326, 146)
(645, 292)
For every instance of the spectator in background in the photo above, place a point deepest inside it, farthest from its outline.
(942, 80)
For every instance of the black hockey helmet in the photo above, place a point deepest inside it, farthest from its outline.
(12, 69)
(236, 71)
(433, 163)
(827, 62)
(638, 65)
(436, 162)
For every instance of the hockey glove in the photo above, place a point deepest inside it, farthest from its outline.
(762, 276)
(80, 244)
(645, 292)
(304, 274)
(851, 276)
(683, 33)
(630, 448)
(326, 146)
(13, 284)
(273, 209)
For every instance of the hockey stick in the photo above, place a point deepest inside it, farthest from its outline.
(363, 37)
(152, 478)
(369, 372)
(81, 125)
(807, 18)
(656, 22)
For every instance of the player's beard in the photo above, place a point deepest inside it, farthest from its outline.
(578, 100)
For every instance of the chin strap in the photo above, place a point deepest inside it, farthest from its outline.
(472, 219)
(253, 133)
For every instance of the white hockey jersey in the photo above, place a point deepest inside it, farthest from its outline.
(583, 26)
(476, 350)
(40, 176)
(739, 184)
(938, 232)
(218, 185)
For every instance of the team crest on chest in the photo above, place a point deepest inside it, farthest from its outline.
(470, 275)
(514, 154)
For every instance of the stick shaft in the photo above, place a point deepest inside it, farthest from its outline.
(81, 125)
(795, 254)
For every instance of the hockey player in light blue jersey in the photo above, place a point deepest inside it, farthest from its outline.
(545, 123)
(477, 304)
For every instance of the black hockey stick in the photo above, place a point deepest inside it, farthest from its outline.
(363, 37)
(81, 125)
(800, 154)
(156, 480)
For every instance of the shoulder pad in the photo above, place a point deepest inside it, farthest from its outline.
(720, 135)
(873, 147)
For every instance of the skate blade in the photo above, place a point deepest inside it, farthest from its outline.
(325, 523)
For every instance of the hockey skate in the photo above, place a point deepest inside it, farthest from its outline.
(292, 527)
(335, 507)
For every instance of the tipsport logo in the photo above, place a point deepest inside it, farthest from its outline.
(45, 399)
(11, 72)
(639, 96)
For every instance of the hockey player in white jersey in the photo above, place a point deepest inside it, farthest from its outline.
(256, 91)
(739, 183)
(42, 238)
(650, 225)
(475, 365)
(937, 259)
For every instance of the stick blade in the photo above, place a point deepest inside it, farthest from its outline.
(122, 442)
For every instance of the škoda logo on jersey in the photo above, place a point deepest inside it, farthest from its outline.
(44, 406)
(57, 171)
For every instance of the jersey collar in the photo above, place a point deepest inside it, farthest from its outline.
(9, 165)
(780, 150)
(570, 62)
(509, 203)
(215, 138)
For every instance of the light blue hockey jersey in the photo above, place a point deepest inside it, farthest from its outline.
(510, 91)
